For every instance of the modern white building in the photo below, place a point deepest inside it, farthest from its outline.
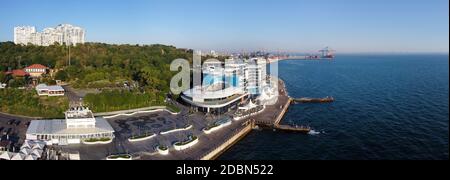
(226, 85)
(62, 34)
(256, 75)
(23, 35)
(79, 124)
(216, 101)
(235, 70)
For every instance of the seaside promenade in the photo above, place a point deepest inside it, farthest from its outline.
(209, 147)
(213, 145)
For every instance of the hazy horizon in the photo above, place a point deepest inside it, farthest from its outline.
(294, 26)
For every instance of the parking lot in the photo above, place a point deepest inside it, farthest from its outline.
(128, 126)
(141, 124)
(13, 130)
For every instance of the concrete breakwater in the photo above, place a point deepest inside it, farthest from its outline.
(216, 152)
(247, 128)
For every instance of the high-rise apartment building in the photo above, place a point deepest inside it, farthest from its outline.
(62, 34)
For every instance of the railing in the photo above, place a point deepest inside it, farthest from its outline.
(281, 115)
(219, 148)
(135, 111)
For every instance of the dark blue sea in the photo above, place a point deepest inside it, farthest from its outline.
(388, 107)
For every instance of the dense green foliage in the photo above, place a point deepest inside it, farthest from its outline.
(191, 139)
(62, 75)
(96, 65)
(163, 148)
(121, 156)
(17, 82)
(93, 140)
(130, 76)
(145, 70)
(28, 103)
(173, 108)
(116, 100)
(2, 77)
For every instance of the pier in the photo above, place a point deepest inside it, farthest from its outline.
(314, 100)
(276, 124)
(298, 129)
(216, 152)
(273, 118)
(270, 118)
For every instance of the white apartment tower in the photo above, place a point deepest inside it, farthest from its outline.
(256, 75)
(62, 34)
(22, 35)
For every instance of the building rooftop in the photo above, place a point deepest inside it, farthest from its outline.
(205, 94)
(49, 88)
(18, 72)
(79, 113)
(37, 66)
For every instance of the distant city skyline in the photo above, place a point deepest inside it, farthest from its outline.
(349, 26)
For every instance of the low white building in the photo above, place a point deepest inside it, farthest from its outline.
(44, 90)
(80, 124)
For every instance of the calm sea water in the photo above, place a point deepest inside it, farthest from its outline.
(388, 107)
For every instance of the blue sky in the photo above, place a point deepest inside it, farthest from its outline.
(234, 25)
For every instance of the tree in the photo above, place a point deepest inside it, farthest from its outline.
(61, 75)
(17, 82)
(97, 65)
(2, 77)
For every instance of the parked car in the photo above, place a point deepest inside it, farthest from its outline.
(10, 122)
(7, 131)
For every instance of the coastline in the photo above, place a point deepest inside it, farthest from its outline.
(210, 146)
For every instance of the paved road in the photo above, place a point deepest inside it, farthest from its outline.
(17, 130)
(75, 99)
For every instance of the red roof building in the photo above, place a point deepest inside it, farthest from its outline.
(37, 66)
(18, 73)
(36, 70)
